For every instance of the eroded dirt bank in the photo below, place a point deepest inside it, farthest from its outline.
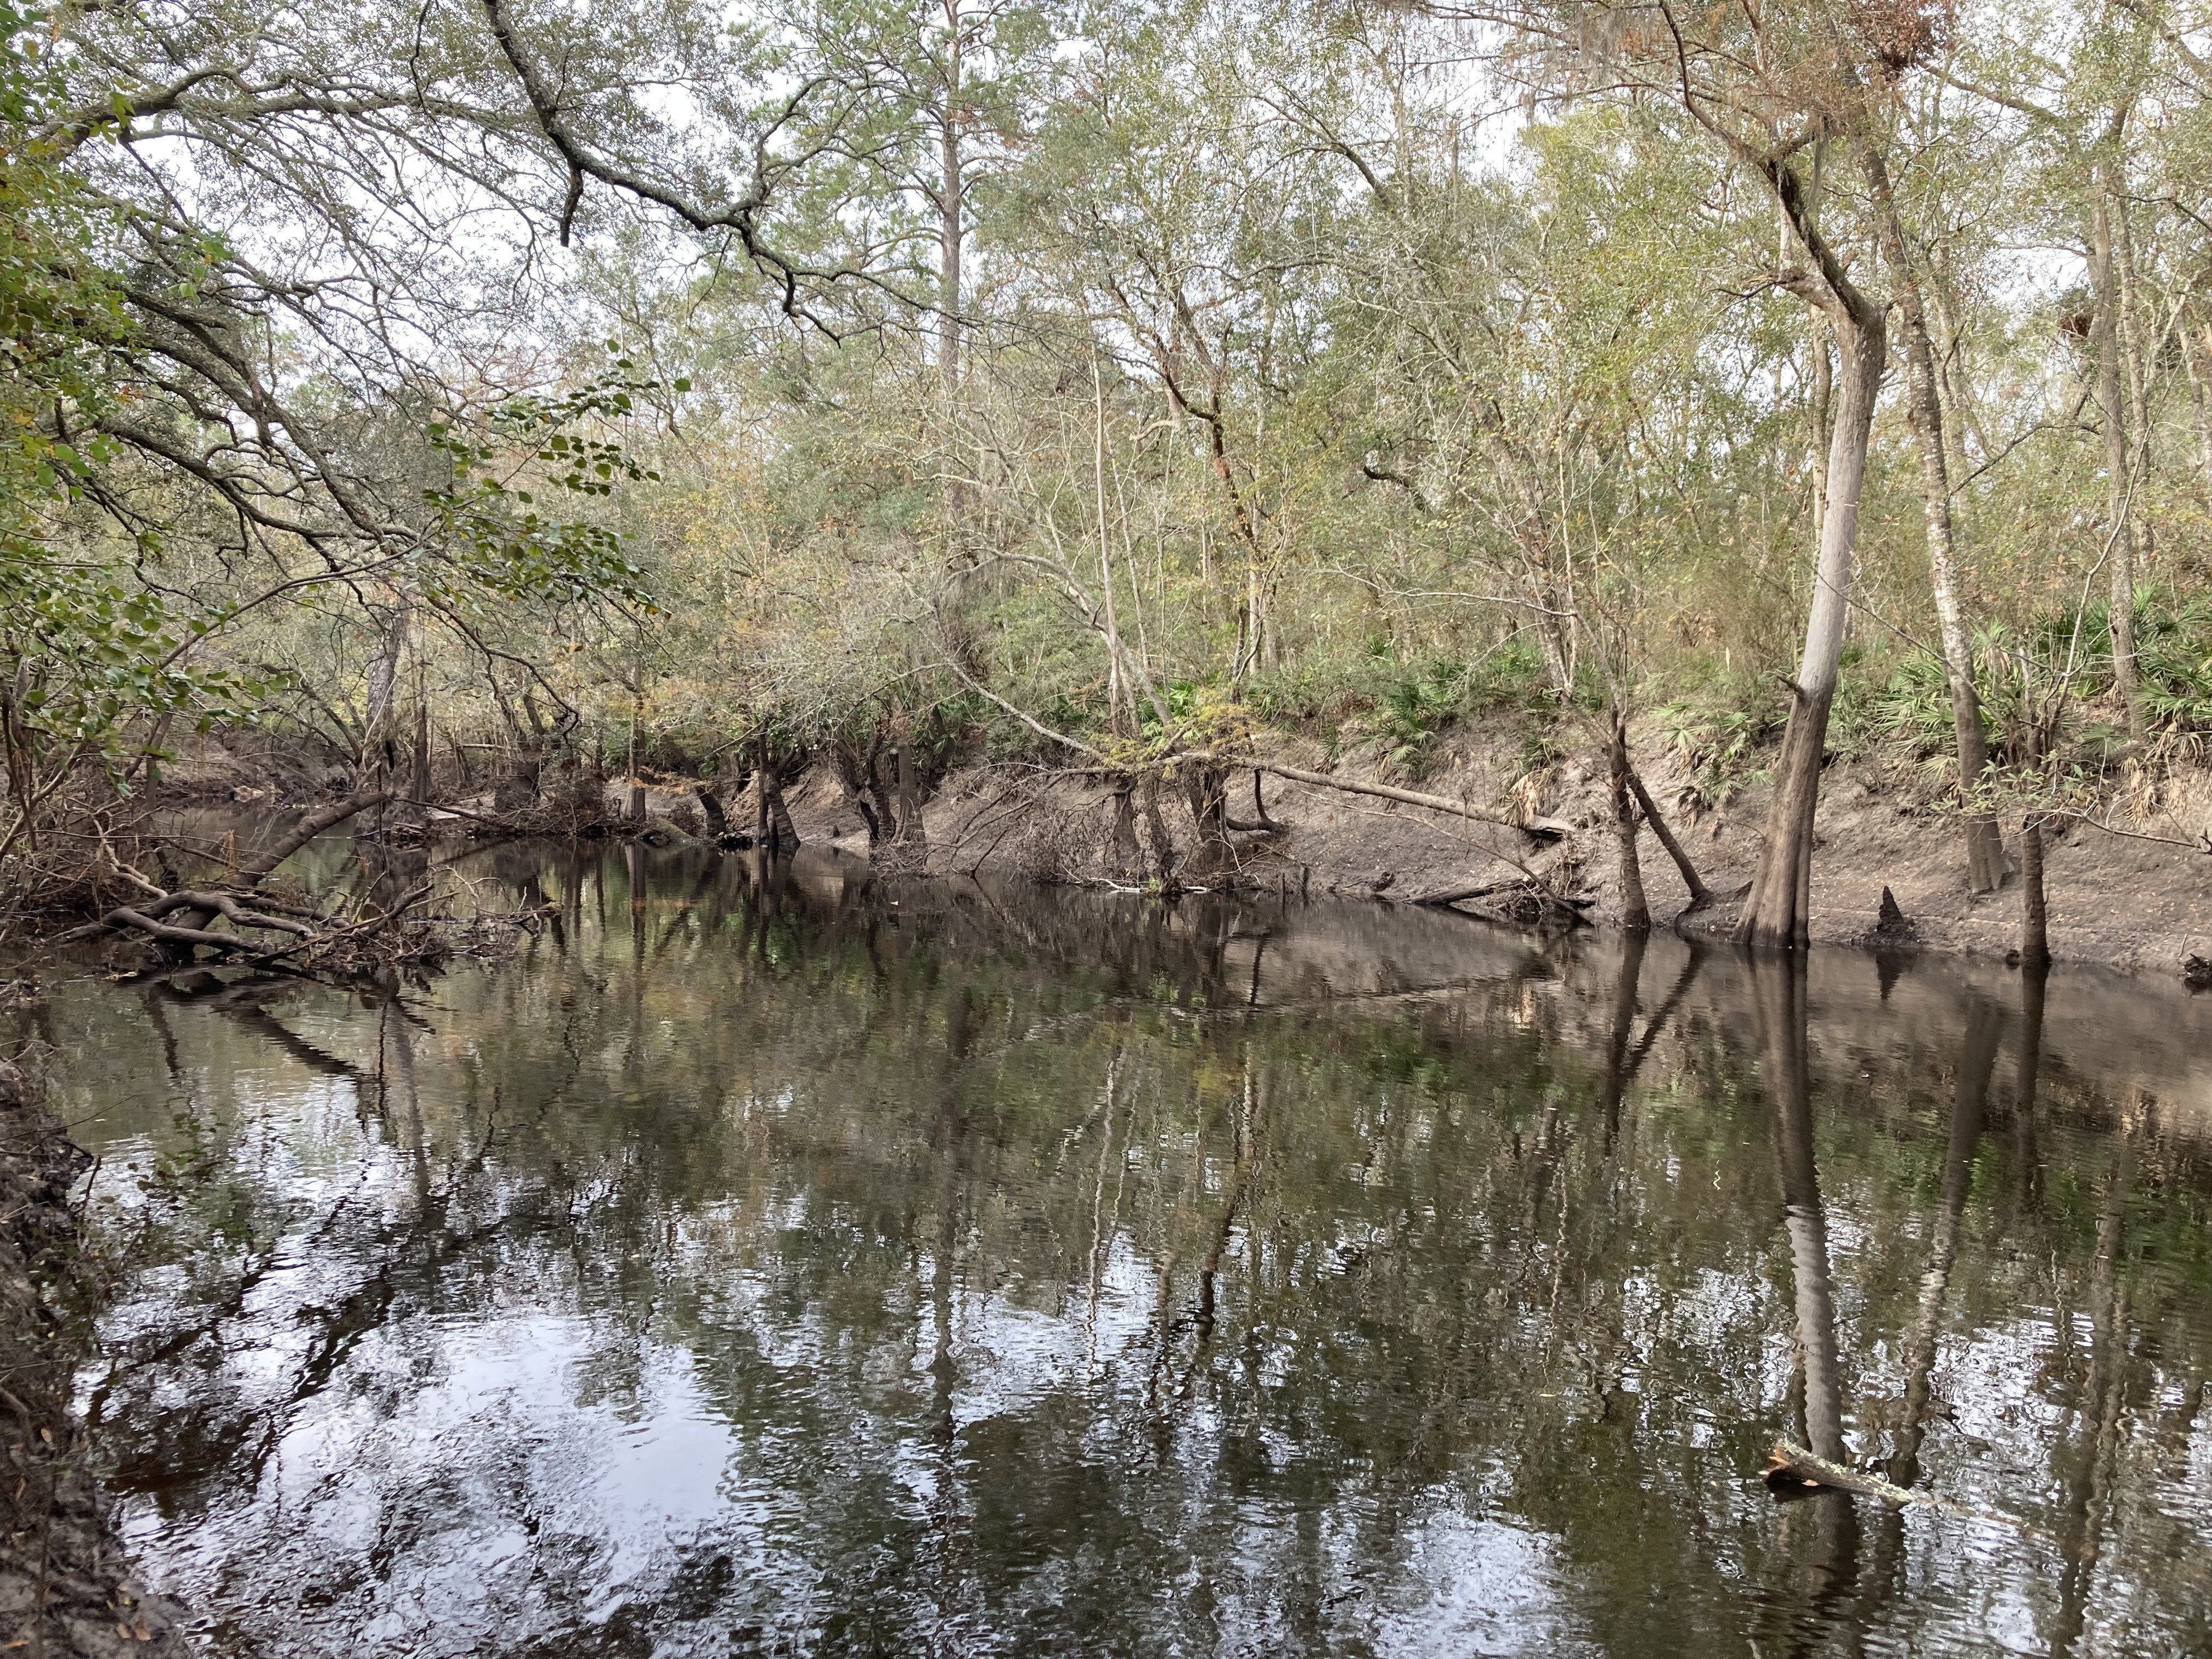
(2136, 896)
(64, 1586)
(2117, 899)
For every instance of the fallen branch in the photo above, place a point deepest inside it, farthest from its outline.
(1454, 894)
(1535, 828)
(1700, 895)
(314, 824)
(1791, 1471)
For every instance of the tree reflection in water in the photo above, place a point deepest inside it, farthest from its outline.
(775, 1259)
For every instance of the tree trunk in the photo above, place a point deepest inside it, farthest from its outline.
(1924, 407)
(1700, 895)
(1207, 786)
(1116, 692)
(2132, 356)
(909, 796)
(2035, 921)
(517, 791)
(718, 821)
(420, 788)
(779, 815)
(2119, 493)
(1156, 828)
(1127, 859)
(761, 776)
(636, 784)
(1824, 437)
(1776, 914)
(1634, 910)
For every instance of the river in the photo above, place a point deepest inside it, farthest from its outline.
(818, 1266)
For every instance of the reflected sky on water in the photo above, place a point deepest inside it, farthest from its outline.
(801, 1264)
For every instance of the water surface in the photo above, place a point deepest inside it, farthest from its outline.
(816, 1265)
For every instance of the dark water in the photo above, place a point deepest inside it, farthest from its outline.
(862, 1269)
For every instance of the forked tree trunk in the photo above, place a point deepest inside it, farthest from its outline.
(1777, 912)
(1700, 895)
(1634, 909)
(1924, 407)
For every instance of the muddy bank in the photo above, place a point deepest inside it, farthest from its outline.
(2133, 901)
(64, 1586)
(2115, 900)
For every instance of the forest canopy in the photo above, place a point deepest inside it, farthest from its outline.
(1105, 386)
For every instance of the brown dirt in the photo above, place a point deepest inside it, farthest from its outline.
(2115, 901)
(64, 1587)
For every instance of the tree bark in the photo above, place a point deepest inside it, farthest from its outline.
(1777, 913)
(2119, 494)
(2034, 917)
(1207, 785)
(718, 821)
(909, 794)
(1924, 407)
(779, 815)
(2132, 356)
(761, 773)
(1128, 858)
(1700, 895)
(420, 785)
(1634, 909)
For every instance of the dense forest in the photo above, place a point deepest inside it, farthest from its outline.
(494, 398)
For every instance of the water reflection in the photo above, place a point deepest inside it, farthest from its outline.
(775, 1260)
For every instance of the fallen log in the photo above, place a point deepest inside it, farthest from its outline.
(1535, 828)
(1700, 895)
(1791, 1471)
(1455, 895)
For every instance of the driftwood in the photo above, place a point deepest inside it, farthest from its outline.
(1525, 903)
(1535, 828)
(1791, 1471)
(1455, 895)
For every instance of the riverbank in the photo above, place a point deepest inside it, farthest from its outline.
(64, 1584)
(2134, 894)
(2124, 897)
